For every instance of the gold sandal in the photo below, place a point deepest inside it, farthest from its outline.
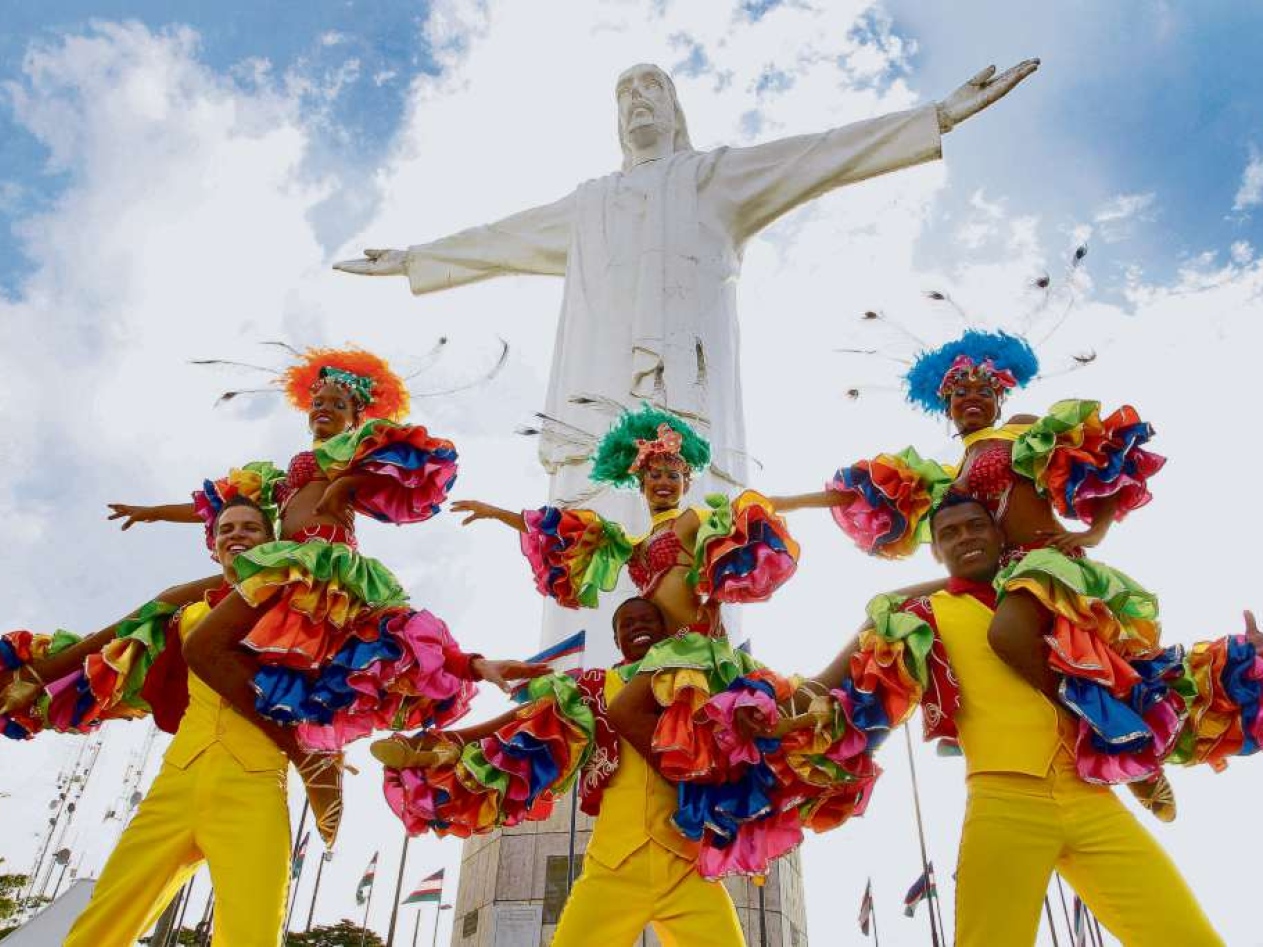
(400, 752)
(1157, 795)
(820, 711)
(323, 771)
(20, 693)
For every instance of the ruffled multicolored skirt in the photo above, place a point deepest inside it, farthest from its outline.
(1138, 703)
(341, 654)
(513, 775)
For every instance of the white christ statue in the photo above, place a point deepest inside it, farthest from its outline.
(651, 254)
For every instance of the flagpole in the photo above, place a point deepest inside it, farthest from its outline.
(873, 915)
(416, 928)
(368, 903)
(1100, 936)
(1051, 926)
(925, 860)
(574, 817)
(320, 870)
(438, 913)
(294, 878)
(1061, 892)
(938, 904)
(394, 908)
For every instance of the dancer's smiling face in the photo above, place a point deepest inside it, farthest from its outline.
(638, 626)
(664, 485)
(972, 404)
(332, 412)
(239, 528)
(967, 541)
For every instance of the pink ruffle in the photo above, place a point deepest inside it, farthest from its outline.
(412, 692)
(410, 797)
(1165, 720)
(402, 495)
(755, 847)
(735, 748)
(862, 523)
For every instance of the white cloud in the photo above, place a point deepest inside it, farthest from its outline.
(1250, 193)
(1116, 219)
(186, 231)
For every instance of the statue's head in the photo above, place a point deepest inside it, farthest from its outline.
(648, 111)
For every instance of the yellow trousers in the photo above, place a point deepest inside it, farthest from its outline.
(611, 907)
(1019, 828)
(213, 811)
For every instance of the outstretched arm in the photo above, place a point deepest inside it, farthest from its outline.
(803, 501)
(20, 688)
(758, 184)
(166, 513)
(534, 241)
(485, 511)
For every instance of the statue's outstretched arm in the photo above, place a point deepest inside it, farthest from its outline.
(755, 185)
(534, 241)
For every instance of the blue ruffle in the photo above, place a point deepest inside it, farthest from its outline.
(288, 696)
(1118, 725)
(743, 560)
(859, 480)
(1244, 692)
(1120, 461)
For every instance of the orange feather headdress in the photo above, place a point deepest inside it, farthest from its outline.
(379, 392)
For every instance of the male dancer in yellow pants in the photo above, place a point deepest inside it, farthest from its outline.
(220, 798)
(638, 870)
(1027, 811)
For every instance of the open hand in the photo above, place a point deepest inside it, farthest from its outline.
(476, 509)
(1073, 541)
(1252, 633)
(500, 673)
(131, 515)
(375, 263)
(982, 90)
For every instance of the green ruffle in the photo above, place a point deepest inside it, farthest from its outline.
(611, 554)
(564, 692)
(1033, 446)
(60, 641)
(146, 636)
(357, 575)
(1087, 578)
(339, 450)
(716, 657)
(892, 625)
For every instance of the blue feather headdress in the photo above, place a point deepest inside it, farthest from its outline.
(1007, 360)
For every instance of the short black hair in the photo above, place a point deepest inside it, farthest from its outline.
(954, 498)
(245, 501)
(627, 601)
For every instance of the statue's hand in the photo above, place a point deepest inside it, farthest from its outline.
(375, 263)
(979, 92)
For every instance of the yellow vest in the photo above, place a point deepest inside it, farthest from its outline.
(636, 807)
(1005, 724)
(210, 719)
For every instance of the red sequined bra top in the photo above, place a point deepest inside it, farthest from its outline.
(654, 558)
(989, 477)
(302, 471)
